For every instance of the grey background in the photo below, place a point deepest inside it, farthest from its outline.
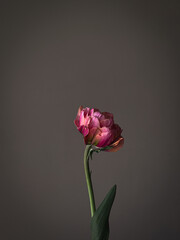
(118, 56)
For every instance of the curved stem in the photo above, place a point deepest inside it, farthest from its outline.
(88, 179)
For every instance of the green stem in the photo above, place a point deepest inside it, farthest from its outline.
(88, 179)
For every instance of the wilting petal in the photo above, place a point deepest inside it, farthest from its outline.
(116, 132)
(116, 145)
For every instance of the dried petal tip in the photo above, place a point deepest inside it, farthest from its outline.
(116, 145)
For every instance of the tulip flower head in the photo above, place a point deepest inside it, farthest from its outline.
(99, 129)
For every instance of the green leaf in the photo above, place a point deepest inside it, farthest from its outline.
(100, 220)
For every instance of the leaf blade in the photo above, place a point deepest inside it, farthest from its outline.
(100, 220)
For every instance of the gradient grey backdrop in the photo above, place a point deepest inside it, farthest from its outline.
(120, 57)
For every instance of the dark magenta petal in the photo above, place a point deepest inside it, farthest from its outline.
(105, 123)
(108, 115)
(106, 120)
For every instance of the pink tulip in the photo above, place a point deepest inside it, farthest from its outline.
(99, 129)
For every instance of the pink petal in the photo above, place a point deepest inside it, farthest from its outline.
(86, 111)
(79, 110)
(92, 112)
(84, 119)
(94, 122)
(97, 114)
(92, 133)
(84, 130)
(76, 121)
(103, 138)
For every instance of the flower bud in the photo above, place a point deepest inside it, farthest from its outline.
(99, 129)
